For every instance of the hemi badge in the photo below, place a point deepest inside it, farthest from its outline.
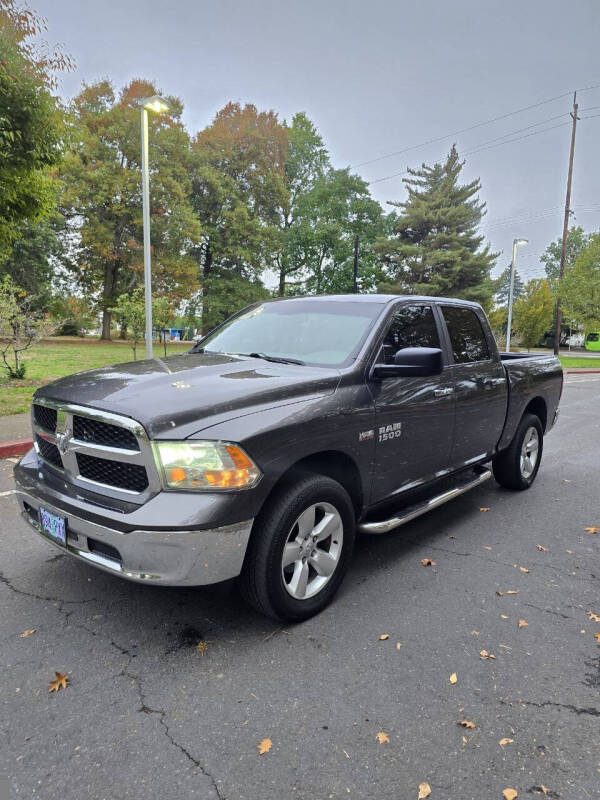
(364, 435)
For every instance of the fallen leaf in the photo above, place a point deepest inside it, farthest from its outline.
(464, 740)
(424, 790)
(523, 569)
(384, 636)
(467, 723)
(382, 737)
(570, 552)
(427, 562)
(591, 615)
(453, 678)
(597, 636)
(59, 683)
(499, 593)
(474, 633)
(202, 647)
(512, 591)
(592, 529)
(504, 741)
(523, 623)
(504, 616)
(544, 789)
(484, 654)
(484, 508)
(29, 631)
(486, 547)
(264, 746)
(510, 794)
(541, 548)
(398, 645)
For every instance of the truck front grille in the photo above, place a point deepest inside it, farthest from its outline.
(89, 445)
(131, 477)
(45, 417)
(49, 452)
(86, 429)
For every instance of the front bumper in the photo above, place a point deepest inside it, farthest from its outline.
(163, 557)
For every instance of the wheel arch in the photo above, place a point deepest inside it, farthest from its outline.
(538, 407)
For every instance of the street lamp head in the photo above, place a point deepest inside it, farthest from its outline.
(521, 241)
(155, 103)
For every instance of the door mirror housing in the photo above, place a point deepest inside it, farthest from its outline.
(411, 362)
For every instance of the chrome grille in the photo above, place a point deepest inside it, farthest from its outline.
(95, 450)
(92, 430)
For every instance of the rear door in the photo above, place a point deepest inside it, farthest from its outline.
(413, 416)
(479, 381)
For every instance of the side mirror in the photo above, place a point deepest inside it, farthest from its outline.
(411, 362)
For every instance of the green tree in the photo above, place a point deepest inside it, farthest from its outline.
(238, 186)
(577, 240)
(225, 294)
(501, 286)
(580, 289)
(21, 325)
(36, 253)
(31, 122)
(162, 316)
(435, 248)
(102, 197)
(533, 312)
(130, 311)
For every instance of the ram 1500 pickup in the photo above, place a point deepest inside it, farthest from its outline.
(264, 449)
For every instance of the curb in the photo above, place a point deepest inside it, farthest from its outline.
(18, 447)
(582, 371)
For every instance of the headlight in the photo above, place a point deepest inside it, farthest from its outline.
(205, 465)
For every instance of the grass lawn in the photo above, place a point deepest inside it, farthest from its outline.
(54, 358)
(578, 362)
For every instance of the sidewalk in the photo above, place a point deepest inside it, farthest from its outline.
(15, 435)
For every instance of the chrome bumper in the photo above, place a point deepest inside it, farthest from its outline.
(166, 558)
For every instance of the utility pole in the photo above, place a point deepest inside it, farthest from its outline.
(355, 280)
(563, 252)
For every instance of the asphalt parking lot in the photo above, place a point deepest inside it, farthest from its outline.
(149, 714)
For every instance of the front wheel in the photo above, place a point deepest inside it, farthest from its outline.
(517, 466)
(300, 549)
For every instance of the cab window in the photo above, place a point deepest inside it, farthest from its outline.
(411, 326)
(467, 336)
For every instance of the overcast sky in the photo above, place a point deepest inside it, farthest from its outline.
(378, 76)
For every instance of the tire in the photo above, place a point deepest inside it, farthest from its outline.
(285, 530)
(514, 468)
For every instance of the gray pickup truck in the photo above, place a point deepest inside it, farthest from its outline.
(264, 449)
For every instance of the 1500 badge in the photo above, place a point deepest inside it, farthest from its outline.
(387, 432)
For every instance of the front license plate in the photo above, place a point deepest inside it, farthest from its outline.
(53, 526)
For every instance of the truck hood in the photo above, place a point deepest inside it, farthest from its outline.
(176, 396)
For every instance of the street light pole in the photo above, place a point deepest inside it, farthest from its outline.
(146, 226)
(157, 104)
(511, 289)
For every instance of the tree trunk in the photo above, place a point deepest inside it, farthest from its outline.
(123, 331)
(106, 320)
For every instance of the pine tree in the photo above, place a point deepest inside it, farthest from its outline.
(502, 287)
(436, 249)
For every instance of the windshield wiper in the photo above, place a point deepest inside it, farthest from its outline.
(276, 359)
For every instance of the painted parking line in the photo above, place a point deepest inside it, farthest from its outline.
(6, 494)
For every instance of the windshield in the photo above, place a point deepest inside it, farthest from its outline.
(311, 331)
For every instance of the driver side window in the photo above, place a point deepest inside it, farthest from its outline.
(411, 326)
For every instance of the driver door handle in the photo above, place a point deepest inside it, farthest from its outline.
(443, 392)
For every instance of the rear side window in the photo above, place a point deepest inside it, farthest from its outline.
(411, 326)
(592, 337)
(466, 335)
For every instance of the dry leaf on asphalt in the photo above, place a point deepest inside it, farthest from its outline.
(487, 547)
(504, 741)
(592, 529)
(428, 562)
(202, 647)
(29, 631)
(594, 617)
(544, 789)
(59, 683)
(474, 633)
(424, 790)
(484, 654)
(453, 678)
(484, 508)
(510, 794)
(382, 737)
(398, 645)
(467, 723)
(597, 636)
(512, 591)
(384, 636)
(523, 569)
(541, 548)
(504, 616)
(264, 746)
(523, 623)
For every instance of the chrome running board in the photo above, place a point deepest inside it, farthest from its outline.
(383, 526)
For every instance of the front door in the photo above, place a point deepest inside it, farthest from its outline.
(479, 381)
(413, 416)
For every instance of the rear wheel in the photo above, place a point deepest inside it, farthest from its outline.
(517, 466)
(300, 549)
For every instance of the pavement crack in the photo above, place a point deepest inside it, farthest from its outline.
(592, 712)
(162, 714)
(548, 611)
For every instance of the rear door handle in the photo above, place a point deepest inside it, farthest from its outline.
(443, 392)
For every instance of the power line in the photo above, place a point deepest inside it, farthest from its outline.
(471, 127)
